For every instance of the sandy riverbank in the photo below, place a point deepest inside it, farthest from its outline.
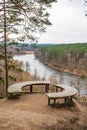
(67, 70)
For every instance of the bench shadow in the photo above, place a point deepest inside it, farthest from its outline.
(17, 96)
(62, 105)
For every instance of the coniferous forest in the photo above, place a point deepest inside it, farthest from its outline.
(65, 56)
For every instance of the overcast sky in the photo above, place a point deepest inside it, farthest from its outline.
(69, 23)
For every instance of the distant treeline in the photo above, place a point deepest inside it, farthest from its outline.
(71, 56)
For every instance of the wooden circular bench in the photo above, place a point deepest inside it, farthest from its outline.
(17, 88)
(67, 92)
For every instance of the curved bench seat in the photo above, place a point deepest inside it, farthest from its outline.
(14, 88)
(67, 92)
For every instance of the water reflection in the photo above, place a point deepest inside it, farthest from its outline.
(35, 67)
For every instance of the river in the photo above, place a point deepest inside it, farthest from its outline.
(35, 67)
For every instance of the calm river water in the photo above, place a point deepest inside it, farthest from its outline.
(35, 67)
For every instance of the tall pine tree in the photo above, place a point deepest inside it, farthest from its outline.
(20, 20)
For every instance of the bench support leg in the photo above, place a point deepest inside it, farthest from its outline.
(70, 104)
(30, 88)
(54, 101)
(48, 101)
(56, 89)
(65, 99)
(46, 88)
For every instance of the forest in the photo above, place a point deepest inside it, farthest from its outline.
(72, 57)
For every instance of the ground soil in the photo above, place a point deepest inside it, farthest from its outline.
(31, 112)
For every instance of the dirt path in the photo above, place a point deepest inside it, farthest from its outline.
(31, 112)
